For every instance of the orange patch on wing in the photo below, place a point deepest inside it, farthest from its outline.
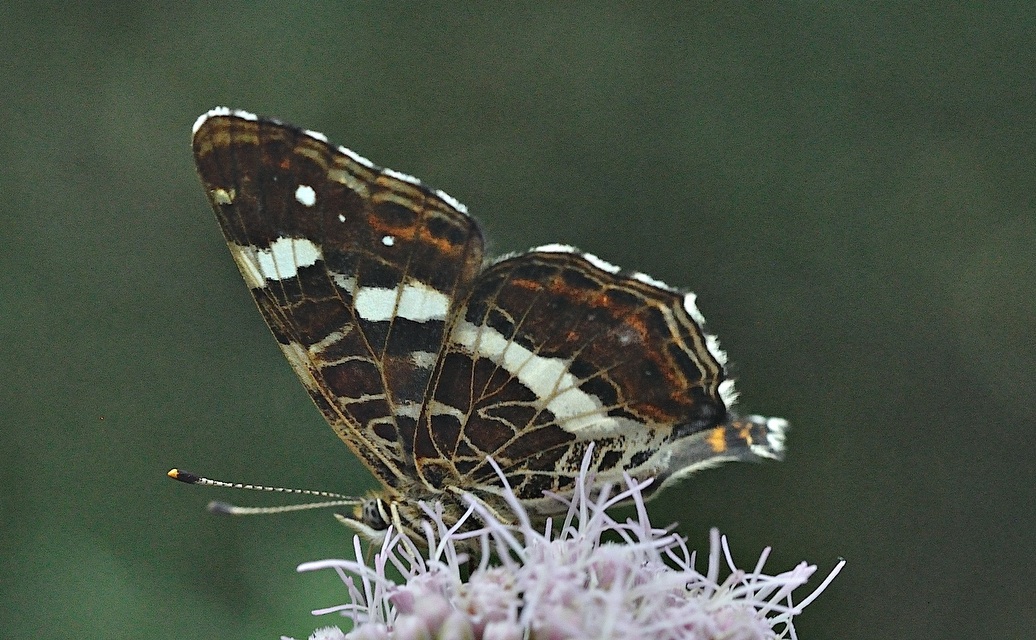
(718, 439)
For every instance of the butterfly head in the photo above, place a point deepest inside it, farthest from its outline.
(378, 512)
(373, 517)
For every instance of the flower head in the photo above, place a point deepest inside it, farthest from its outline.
(591, 577)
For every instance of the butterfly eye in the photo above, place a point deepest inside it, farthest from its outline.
(375, 514)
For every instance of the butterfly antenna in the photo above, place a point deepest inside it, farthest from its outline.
(338, 500)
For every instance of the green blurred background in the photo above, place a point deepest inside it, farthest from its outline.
(849, 189)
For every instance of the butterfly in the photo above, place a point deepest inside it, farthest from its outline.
(427, 359)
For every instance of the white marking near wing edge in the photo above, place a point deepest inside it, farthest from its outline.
(775, 428)
(555, 248)
(223, 196)
(357, 157)
(221, 111)
(305, 195)
(712, 344)
(450, 200)
(692, 309)
(728, 393)
(399, 175)
(654, 282)
(316, 135)
(603, 265)
(281, 261)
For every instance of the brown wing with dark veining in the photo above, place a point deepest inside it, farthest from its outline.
(354, 268)
(554, 350)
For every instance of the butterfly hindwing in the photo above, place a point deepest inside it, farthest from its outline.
(556, 349)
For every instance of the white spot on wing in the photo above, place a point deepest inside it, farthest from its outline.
(420, 302)
(305, 195)
(374, 304)
(413, 301)
(341, 218)
(344, 282)
(626, 336)
(282, 260)
(388, 241)
(423, 359)
(222, 196)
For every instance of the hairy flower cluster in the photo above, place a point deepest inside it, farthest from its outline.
(569, 583)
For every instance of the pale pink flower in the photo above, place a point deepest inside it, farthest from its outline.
(564, 582)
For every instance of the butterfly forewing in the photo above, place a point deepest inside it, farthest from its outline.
(355, 271)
